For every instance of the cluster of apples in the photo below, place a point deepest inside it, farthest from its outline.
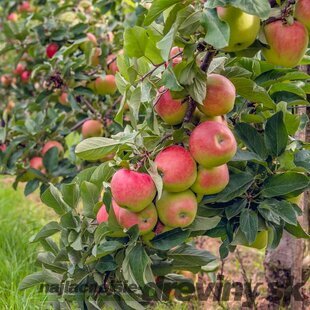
(287, 41)
(187, 174)
(24, 7)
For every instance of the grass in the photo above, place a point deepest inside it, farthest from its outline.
(20, 218)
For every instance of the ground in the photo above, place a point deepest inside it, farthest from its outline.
(20, 218)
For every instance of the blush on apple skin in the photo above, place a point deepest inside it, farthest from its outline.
(132, 190)
(220, 98)
(177, 209)
(145, 219)
(172, 111)
(178, 168)
(92, 128)
(50, 144)
(211, 181)
(287, 43)
(212, 144)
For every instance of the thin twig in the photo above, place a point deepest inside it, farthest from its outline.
(159, 65)
(79, 124)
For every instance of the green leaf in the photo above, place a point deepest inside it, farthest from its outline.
(71, 194)
(204, 223)
(284, 184)
(187, 255)
(45, 276)
(48, 230)
(237, 186)
(296, 230)
(251, 139)
(140, 264)
(135, 41)
(276, 136)
(157, 179)
(252, 92)
(158, 7)
(102, 173)
(198, 89)
(302, 159)
(52, 197)
(170, 239)
(260, 8)
(96, 148)
(50, 160)
(273, 210)
(235, 208)
(287, 87)
(106, 248)
(249, 224)
(90, 196)
(31, 186)
(170, 81)
(217, 31)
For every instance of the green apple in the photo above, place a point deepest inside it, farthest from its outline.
(244, 27)
(177, 209)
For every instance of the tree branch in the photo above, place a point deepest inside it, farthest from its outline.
(207, 60)
(159, 65)
(79, 124)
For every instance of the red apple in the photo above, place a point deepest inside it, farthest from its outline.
(13, 17)
(132, 190)
(161, 228)
(92, 38)
(145, 219)
(287, 43)
(111, 64)
(92, 128)
(220, 98)
(105, 85)
(211, 181)
(25, 76)
(50, 144)
(51, 50)
(25, 7)
(103, 215)
(212, 144)
(37, 163)
(177, 209)
(302, 12)
(178, 168)
(171, 111)
(20, 68)
(6, 80)
(174, 51)
(63, 99)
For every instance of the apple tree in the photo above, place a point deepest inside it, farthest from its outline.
(57, 80)
(205, 146)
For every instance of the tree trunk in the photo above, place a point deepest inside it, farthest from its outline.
(284, 265)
